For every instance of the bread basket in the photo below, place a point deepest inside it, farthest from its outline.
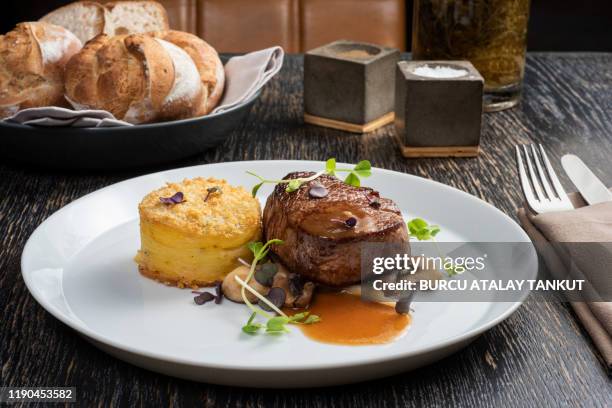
(118, 147)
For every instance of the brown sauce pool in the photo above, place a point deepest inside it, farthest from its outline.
(346, 319)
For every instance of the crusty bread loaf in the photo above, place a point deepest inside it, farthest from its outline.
(142, 78)
(86, 19)
(128, 76)
(207, 61)
(32, 59)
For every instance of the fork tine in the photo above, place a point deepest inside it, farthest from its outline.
(543, 178)
(527, 191)
(553, 176)
(532, 176)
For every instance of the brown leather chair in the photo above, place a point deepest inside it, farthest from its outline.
(247, 25)
(182, 14)
(296, 25)
(376, 21)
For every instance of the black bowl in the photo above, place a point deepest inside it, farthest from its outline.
(118, 147)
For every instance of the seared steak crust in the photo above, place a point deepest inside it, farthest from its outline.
(319, 242)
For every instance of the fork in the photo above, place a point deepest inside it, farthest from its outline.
(540, 184)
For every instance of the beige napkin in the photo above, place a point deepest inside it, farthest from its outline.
(585, 224)
(245, 75)
(56, 116)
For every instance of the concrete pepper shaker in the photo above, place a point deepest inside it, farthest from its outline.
(350, 86)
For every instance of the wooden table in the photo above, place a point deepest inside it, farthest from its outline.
(540, 356)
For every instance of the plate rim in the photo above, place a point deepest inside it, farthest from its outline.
(95, 336)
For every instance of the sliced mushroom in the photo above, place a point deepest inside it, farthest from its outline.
(305, 297)
(232, 289)
(281, 280)
(298, 294)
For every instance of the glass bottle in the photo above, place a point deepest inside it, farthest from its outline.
(491, 34)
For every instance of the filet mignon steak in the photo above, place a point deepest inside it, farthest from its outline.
(322, 236)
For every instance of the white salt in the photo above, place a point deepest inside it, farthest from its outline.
(439, 71)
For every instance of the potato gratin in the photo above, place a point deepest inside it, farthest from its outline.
(193, 232)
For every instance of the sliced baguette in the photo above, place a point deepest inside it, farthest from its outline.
(186, 96)
(128, 17)
(86, 19)
(206, 59)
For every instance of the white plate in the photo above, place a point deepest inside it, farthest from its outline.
(78, 265)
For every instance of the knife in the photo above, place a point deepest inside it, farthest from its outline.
(592, 189)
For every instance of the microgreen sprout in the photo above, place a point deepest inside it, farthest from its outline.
(353, 178)
(421, 230)
(276, 324)
(250, 327)
(212, 190)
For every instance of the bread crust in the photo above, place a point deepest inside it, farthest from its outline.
(186, 96)
(217, 92)
(206, 59)
(88, 19)
(128, 76)
(111, 6)
(143, 78)
(72, 16)
(158, 78)
(80, 76)
(32, 60)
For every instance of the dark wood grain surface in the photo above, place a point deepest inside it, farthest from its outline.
(540, 356)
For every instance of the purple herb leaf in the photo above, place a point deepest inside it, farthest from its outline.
(351, 222)
(203, 298)
(373, 198)
(317, 190)
(276, 296)
(219, 292)
(296, 285)
(177, 198)
(264, 275)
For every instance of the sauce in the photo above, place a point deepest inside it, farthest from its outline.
(346, 319)
(331, 222)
